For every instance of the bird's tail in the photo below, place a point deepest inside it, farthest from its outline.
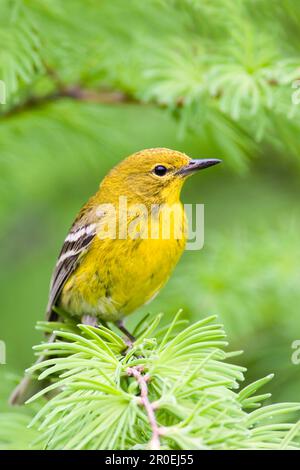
(29, 385)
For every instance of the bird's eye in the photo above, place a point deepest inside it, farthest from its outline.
(160, 170)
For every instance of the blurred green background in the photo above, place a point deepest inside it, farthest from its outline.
(89, 82)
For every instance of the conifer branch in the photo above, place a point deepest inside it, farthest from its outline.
(142, 380)
(95, 406)
(75, 92)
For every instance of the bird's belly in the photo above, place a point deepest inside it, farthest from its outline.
(118, 276)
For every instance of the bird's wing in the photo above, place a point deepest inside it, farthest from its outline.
(75, 245)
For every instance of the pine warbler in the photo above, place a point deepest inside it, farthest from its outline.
(116, 258)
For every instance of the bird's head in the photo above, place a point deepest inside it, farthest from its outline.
(153, 175)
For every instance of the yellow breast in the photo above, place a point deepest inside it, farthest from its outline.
(116, 276)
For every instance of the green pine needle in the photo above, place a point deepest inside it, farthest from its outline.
(98, 400)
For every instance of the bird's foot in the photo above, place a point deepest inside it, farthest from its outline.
(130, 339)
(89, 320)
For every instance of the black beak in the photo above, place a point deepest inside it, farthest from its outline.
(195, 165)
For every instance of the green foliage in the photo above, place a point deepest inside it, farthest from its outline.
(14, 432)
(190, 386)
(207, 78)
(20, 57)
(222, 69)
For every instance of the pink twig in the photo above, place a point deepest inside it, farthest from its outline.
(142, 380)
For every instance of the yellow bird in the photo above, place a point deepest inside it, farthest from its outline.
(117, 256)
